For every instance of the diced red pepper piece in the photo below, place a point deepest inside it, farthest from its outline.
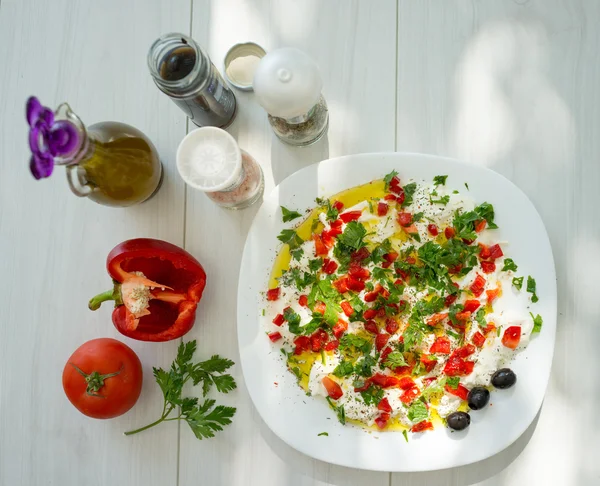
(437, 318)
(471, 305)
(273, 294)
(381, 340)
(329, 266)
(433, 229)
(390, 257)
(389, 197)
(364, 387)
(274, 336)
(347, 308)
(467, 367)
(496, 251)
(406, 383)
(478, 339)
(360, 255)
(333, 389)
(369, 314)
(341, 285)
(337, 224)
(456, 366)
(331, 345)
(303, 300)
(395, 186)
(464, 351)
(391, 325)
(382, 420)
(409, 395)
(480, 225)
(338, 205)
(460, 391)
(428, 361)
(488, 267)
(318, 339)
(320, 307)
(328, 238)
(410, 260)
(449, 233)
(382, 208)
(340, 328)
(492, 294)
(320, 248)
(490, 328)
(422, 426)
(450, 299)
(384, 381)
(484, 251)
(278, 320)
(467, 242)
(463, 316)
(401, 197)
(404, 219)
(356, 285)
(384, 405)
(372, 296)
(440, 346)
(478, 285)
(512, 337)
(302, 344)
(357, 272)
(384, 354)
(350, 216)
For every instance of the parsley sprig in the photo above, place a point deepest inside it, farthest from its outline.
(203, 418)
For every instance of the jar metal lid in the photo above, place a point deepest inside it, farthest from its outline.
(240, 63)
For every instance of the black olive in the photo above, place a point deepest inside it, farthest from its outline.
(478, 398)
(504, 378)
(458, 420)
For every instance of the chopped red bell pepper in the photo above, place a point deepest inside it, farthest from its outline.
(428, 361)
(318, 340)
(355, 284)
(436, 318)
(371, 326)
(488, 267)
(384, 405)
(170, 281)
(464, 351)
(440, 346)
(359, 255)
(477, 285)
(512, 337)
(382, 420)
(320, 248)
(303, 300)
(329, 266)
(273, 294)
(404, 219)
(484, 251)
(369, 314)
(391, 325)
(422, 426)
(338, 205)
(492, 294)
(274, 336)
(460, 391)
(340, 328)
(278, 320)
(381, 340)
(389, 197)
(450, 299)
(331, 345)
(384, 354)
(341, 285)
(395, 185)
(406, 383)
(350, 216)
(478, 339)
(433, 229)
(302, 343)
(409, 395)
(333, 389)
(357, 272)
(320, 307)
(384, 381)
(449, 233)
(480, 225)
(347, 308)
(496, 251)
(382, 208)
(471, 305)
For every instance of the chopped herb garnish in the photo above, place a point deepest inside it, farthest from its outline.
(395, 360)
(363, 366)
(289, 215)
(339, 411)
(440, 180)
(452, 382)
(409, 191)
(331, 213)
(518, 282)
(509, 265)
(354, 341)
(405, 434)
(531, 289)
(315, 265)
(388, 178)
(291, 238)
(467, 186)
(480, 317)
(417, 412)
(345, 368)
(372, 395)
(453, 334)
(537, 323)
(443, 200)
(324, 434)
(297, 254)
(353, 235)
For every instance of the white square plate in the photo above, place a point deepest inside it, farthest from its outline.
(298, 419)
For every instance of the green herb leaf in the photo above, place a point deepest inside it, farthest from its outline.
(537, 323)
(454, 334)
(440, 180)
(531, 289)
(388, 178)
(409, 191)
(364, 366)
(486, 211)
(518, 282)
(395, 360)
(353, 235)
(405, 434)
(509, 265)
(443, 200)
(452, 382)
(291, 238)
(203, 419)
(339, 411)
(435, 388)
(379, 251)
(289, 215)
(417, 412)
(297, 254)
(352, 340)
(480, 317)
(315, 265)
(330, 212)
(345, 368)
(467, 186)
(324, 434)
(372, 395)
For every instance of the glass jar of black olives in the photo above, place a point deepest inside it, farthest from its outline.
(185, 73)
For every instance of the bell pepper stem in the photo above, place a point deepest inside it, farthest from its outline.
(112, 294)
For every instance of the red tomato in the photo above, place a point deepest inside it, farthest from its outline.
(409, 395)
(471, 305)
(433, 229)
(382, 420)
(441, 346)
(303, 300)
(422, 426)
(339, 205)
(278, 320)
(347, 308)
(477, 285)
(390, 257)
(480, 225)
(460, 391)
(391, 325)
(318, 339)
(436, 318)
(372, 296)
(381, 340)
(404, 219)
(465, 351)
(302, 344)
(333, 389)
(103, 378)
(495, 251)
(357, 272)
(274, 336)
(360, 255)
(350, 216)
(488, 267)
(273, 294)
(395, 186)
(384, 405)
(449, 232)
(401, 197)
(512, 337)
(341, 285)
(384, 381)
(382, 209)
(478, 339)
(463, 316)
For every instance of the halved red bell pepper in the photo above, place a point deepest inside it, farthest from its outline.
(157, 287)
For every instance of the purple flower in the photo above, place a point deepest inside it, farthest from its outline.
(47, 138)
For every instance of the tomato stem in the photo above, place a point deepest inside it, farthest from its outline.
(112, 294)
(95, 380)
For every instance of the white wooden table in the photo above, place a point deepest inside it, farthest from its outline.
(513, 85)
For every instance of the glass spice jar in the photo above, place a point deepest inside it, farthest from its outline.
(287, 84)
(209, 159)
(184, 72)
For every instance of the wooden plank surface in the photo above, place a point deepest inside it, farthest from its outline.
(345, 38)
(513, 85)
(54, 246)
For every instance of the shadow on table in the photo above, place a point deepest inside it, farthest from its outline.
(286, 159)
(469, 474)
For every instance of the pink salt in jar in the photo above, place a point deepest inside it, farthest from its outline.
(209, 159)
